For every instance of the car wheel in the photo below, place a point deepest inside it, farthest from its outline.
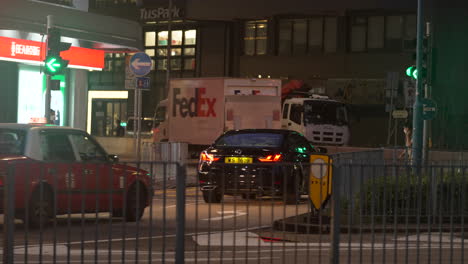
(136, 203)
(40, 209)
(212, 196)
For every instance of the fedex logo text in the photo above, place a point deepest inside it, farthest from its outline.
(196, 106)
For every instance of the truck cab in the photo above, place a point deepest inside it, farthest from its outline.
(321, 120)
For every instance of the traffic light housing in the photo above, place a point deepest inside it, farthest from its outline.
(54, 64)
(421, 74)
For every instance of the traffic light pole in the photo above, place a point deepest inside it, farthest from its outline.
(48, 78)
(418, 123)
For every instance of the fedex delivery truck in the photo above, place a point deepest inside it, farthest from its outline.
(198, 110)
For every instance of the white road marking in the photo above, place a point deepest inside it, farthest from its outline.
(226, 215)
(237, 238)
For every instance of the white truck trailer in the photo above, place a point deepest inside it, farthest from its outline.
(198, 110)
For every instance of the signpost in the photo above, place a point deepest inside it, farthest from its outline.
(429, 109)
(138, 65)
(400, 114)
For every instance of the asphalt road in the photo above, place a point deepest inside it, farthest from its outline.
(236, 230)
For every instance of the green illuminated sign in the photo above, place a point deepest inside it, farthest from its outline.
(53, 65)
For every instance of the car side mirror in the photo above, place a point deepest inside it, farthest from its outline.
(113, 158)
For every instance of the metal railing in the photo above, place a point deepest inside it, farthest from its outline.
(377, 213)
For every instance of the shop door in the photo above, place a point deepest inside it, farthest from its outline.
(106, 116)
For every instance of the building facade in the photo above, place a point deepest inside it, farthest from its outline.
(22, 45)
(342, 49)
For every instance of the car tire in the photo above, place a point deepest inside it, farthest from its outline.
(212, 196)
(40, 210)
(136, 203)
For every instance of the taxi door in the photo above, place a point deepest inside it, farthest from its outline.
(94, 170)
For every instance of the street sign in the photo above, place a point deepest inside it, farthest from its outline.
(140, 64)
(429, 109)
(400, 114)
(142, 83)
(320, 185)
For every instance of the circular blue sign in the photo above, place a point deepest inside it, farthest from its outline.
(140, 64)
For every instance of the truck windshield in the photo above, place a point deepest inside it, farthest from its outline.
(252, 140)
(12, 141)
(325, 112)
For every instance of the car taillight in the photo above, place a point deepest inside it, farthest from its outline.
(271, 158)
(208, 157)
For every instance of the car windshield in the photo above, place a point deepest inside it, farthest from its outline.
(324, 112)
(253, 140)
(12, 141)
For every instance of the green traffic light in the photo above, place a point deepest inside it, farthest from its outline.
(53, 65)
(412, 72)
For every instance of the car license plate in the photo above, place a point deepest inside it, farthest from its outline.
(241, 160)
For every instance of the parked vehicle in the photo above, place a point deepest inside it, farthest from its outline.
(321, 120)
(65, 167)
(256, 162)
(200, 109)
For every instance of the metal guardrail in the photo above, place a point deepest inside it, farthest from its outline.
(377, 213)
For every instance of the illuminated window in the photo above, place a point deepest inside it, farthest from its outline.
(255, 37)
(150, 38)
(114, 62)
(183, 49)
(190, 37)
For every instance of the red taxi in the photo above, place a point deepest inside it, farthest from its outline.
(60, 170)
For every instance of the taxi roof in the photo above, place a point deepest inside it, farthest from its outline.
(33, 126)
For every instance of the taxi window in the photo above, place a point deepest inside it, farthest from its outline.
(12, 141)
(56, 147)
(87, 149)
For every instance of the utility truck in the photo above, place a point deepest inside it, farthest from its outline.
(321, 120)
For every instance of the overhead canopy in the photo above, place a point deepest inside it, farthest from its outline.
(92, 30)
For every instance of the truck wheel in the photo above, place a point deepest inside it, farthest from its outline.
(136, 203)
(212, 196)
(40, 208)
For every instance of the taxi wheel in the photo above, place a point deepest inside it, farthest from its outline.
(40, 209)
(212, 196)
(136, 203)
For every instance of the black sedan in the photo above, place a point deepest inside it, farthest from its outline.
(256, 162)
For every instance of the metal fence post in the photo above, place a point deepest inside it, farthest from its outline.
(9, 216)
(335, 215)
(180, 213)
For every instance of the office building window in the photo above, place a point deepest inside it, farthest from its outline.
(114, 62)
(389, 33)
(183, 49)
(255, 37)
(307, 35)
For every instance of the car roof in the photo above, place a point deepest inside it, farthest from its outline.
(34, 126)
